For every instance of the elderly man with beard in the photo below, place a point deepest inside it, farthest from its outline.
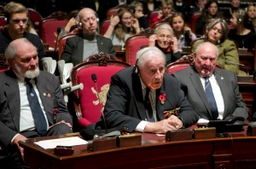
(20, 97)
(225, 100)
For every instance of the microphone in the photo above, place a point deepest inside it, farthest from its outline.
(94, 79)
(234, 63)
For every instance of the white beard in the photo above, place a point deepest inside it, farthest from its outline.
(29, 73)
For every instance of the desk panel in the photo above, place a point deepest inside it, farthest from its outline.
(154, 153)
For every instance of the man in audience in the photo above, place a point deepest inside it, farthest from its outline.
(164, 12)
(16, 18)
(146, 99)
(29, 108)
(87, 43)
(182, 7)
(213, 92)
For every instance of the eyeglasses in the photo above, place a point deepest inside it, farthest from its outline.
(162, 37)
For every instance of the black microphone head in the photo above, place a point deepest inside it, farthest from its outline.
(94, 77)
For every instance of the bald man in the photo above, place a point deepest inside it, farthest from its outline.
(223, 83)
(87, 43)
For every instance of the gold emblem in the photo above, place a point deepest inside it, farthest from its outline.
(102, 95)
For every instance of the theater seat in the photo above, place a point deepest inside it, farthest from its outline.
(89, 103)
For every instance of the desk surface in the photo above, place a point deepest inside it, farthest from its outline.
(236, 151)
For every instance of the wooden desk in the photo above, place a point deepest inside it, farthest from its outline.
(237, 151)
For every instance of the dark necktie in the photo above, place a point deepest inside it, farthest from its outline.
(36, 109)
(148, 107)
(211, 99)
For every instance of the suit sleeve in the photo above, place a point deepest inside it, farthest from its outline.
(241, 108)
(117, 110)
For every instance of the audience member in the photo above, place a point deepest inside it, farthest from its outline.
(217, 34)
(225, 101)
(88, 42)
(122, 26)
(99, 6)
(182, 7)
(181, 31)
(198, 6)
(166, 42)
(114, 3)
(139, 97)
(234, 6)
(137, 10)
(164, 12)
(16, 17)
(209, 13)
(251, 10)
(150, 5)
(242, 35)
(24, 114)
(71, 26)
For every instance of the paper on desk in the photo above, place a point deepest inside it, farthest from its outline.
(202, 121)
(68, 141)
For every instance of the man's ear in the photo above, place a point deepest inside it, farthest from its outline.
(10, 62)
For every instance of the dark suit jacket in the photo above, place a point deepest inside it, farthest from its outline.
(10, 103)
(124, 106)
(227, 80)
(73, 51)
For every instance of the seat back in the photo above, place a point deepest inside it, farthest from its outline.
(194, 17)
(88, 104)
(35, 17)
(151, 17)
(104, 26)
(48, 30)
(113, 10)
(2, 22)
(62, 43)
(133, 45)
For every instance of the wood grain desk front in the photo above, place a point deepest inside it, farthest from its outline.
(234, 152)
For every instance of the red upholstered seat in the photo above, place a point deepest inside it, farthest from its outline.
(2, 23)
(194, 17)
(48, 30)
(62, 43)
(132, 45)
(104, 26)
(35, 17)
(151, 17)
(86, 102)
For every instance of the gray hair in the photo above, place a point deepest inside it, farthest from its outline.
(224, 27)
(164, 26)
(208, 43)
(146, 54)
(11, 50)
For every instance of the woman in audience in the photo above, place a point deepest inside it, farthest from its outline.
(164, 40)
(209, 13)
(217, 33)
(251, 10)
(122, 26)
(242, 34)
(181, 31)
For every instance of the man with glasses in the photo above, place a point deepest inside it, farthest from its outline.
(16, 19)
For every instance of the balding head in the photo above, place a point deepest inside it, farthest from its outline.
(88, 19)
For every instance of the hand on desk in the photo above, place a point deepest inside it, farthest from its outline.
(16, 142)
(172, 123)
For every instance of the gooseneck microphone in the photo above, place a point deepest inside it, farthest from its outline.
(94, 79)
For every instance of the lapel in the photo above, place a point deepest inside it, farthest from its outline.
(223, 87)
(138, 96)
(100, 43)
(80, 48)
(196, 82)
(159, 106)
(11, 89)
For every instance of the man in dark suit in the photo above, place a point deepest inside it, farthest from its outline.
(224, 86)
(18, 120)
(182, 7)
(88, 42)
(130, 105)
